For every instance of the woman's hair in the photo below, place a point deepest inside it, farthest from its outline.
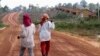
(26, 20)
(44, 17)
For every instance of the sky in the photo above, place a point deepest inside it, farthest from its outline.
(40, 3)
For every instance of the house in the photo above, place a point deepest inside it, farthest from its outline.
(87, 13)
(79, 12)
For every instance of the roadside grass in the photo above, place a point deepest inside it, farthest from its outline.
(1, 23)
(88, 27)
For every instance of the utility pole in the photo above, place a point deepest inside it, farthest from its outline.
(98, 10)
(0, 3)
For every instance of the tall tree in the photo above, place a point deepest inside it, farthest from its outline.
(69, 5)
(6, 8)
(92, 7)
(64, 4)
(83, 3)
(59, 5)
(75, 5)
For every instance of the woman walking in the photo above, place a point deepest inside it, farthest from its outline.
(27, 35)
(45, 28)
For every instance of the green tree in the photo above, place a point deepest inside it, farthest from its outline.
(69, 5)
(92, 7)
(6, 8)
(1, 10)
(83, 3)
(64, 4)
(59, 5)
(75, 5)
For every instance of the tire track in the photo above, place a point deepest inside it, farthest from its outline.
(8, 36)
(83, 46)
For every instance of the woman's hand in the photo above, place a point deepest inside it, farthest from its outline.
(18, 37)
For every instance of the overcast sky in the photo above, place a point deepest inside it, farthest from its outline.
(14, 3)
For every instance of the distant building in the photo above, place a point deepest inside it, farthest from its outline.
(79, 12)
(87, 13)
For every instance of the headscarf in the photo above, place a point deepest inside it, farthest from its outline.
(26, 20)
(44, 18)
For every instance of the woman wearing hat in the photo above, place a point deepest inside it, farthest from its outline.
(45, 28)
(27, 35)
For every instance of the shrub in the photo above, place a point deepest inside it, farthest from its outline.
(1, 25)
(83, 27)
(62, 15)
(36, 22)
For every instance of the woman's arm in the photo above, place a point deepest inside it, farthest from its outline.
(21, 32)
(51, 25)
(39, 28)
(34, 29)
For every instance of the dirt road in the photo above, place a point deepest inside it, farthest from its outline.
(62, 44)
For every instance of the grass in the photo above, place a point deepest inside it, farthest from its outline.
(2, 25)
(80, 27)
(1, 16)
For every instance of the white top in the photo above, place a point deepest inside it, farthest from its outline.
(45, 31)
(28, 34)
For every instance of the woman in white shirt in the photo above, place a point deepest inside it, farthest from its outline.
(45, 28)
(27, 35)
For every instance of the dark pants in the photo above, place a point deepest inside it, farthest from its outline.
(30, 50)
(45, 46)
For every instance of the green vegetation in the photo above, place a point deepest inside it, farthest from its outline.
(60, 15)
(82, 27)
(2, 25)
(36, 22)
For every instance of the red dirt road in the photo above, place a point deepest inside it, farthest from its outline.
(61, 44)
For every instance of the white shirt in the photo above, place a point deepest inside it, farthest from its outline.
(45, 31)
(28, 34)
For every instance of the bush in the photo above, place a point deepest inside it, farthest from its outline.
(64, 25)
(62, 15)
(36, 22)
(1, 25)
(82, 27)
